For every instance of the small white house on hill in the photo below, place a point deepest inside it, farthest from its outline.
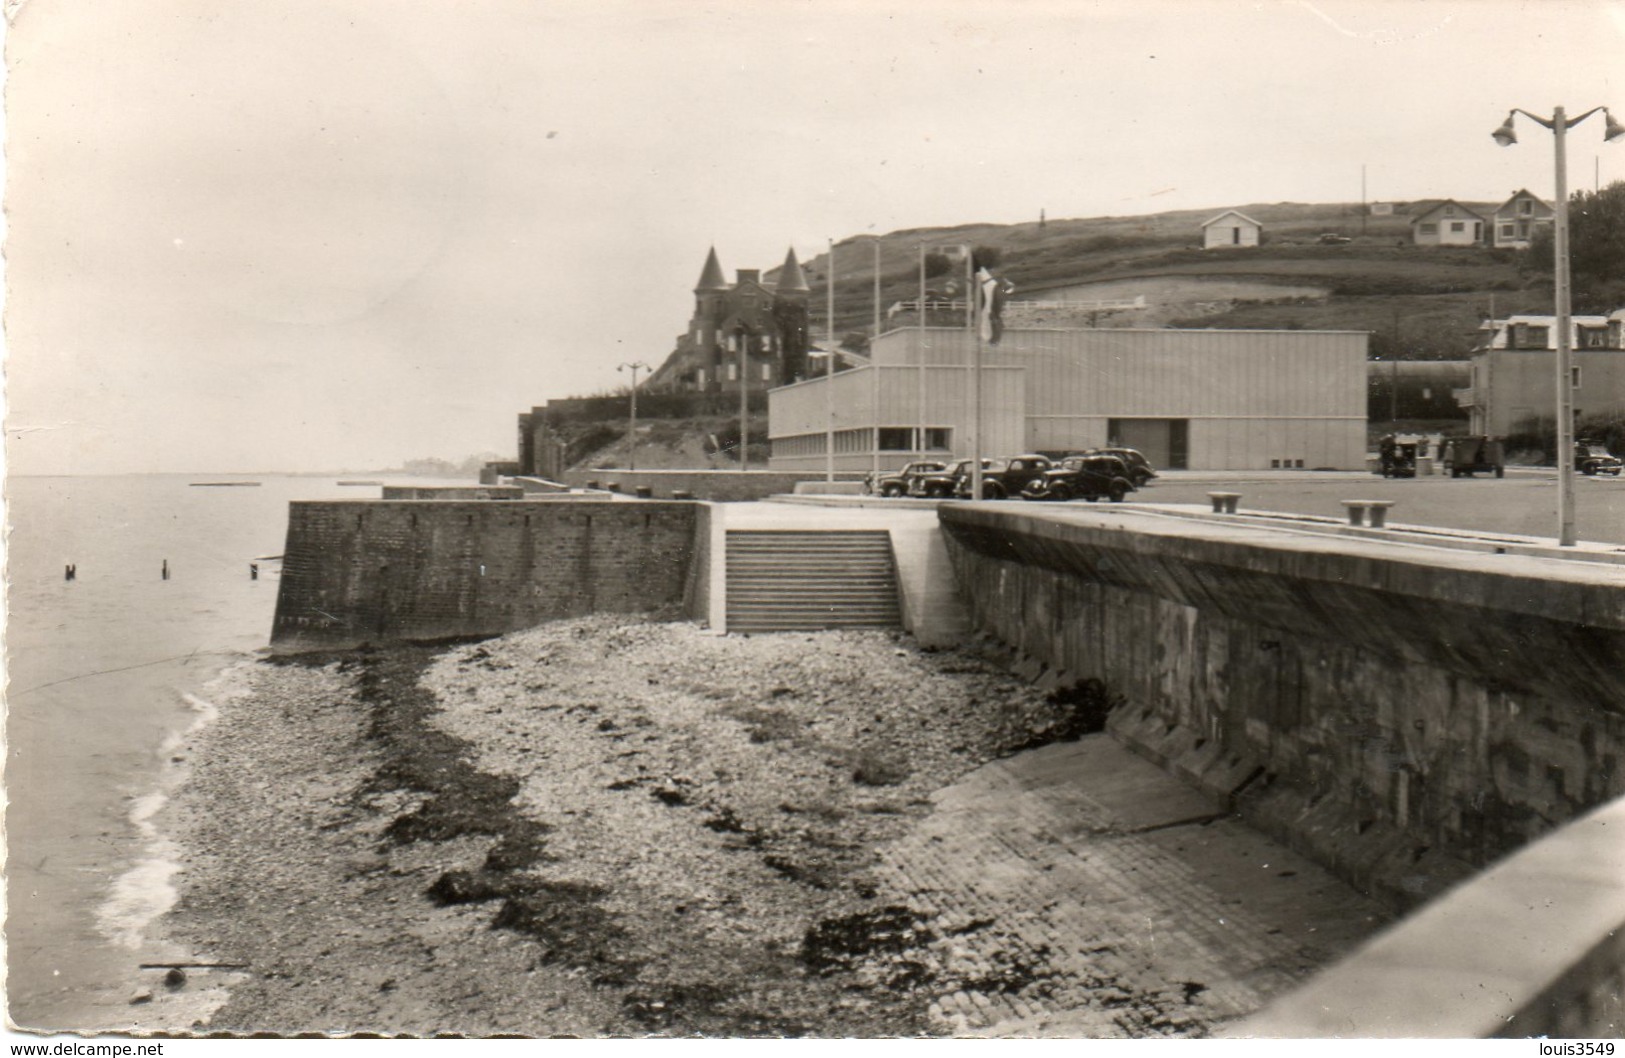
(1447, 223)
(1230, 228)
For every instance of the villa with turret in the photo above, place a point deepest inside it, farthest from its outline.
(747, 333)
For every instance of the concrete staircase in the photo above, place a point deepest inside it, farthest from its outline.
(794, 581)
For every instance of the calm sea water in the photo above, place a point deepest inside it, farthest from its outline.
(105, 675)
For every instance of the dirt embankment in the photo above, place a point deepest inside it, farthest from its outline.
(597, 827)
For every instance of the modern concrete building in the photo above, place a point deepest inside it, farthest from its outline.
(1514, 376)
(1197, 399)
(1447, 223)
(1230, 228)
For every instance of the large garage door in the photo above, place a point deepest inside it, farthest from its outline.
(1165, 442)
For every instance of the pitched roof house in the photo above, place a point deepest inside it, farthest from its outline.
(1517, 218)
(1231, 228)
(1447, 223)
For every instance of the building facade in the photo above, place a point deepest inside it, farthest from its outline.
(1193, 399)
(1514, 375)
(1231, 228)
(1518, 218)
(1447, 223)
(746, 333)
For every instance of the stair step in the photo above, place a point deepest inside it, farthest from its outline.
(798, 580)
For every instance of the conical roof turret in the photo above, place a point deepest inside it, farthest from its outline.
(711, 279)
(792, 280)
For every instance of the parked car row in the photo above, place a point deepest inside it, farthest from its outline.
(1109, 473)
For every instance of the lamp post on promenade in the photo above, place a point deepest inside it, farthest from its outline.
(632, 424)
(1560, 123)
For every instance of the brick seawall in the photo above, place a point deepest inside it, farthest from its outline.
(359, 572)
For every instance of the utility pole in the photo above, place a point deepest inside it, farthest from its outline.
(632, 424)
(1393, 374)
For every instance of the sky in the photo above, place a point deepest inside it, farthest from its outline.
(335, 234)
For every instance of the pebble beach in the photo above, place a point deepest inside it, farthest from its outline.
(600, 827)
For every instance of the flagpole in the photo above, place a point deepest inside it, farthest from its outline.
(919, 353)
(829, 368)
(976, 376)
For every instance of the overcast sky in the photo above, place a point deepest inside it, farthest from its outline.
(322, 234)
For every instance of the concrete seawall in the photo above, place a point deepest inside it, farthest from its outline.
(1404, 714)
(376, 571)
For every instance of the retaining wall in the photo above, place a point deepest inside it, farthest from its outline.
(357, 572)
(453, 492)
(716, 485)
(1404, 714)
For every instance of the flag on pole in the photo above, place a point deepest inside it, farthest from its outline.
(991, 292)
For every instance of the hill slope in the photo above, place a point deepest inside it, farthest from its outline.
(1432, 298)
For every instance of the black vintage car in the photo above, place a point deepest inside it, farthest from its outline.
(1140, 469)
(900, 482)
(944, 484)
(1592, 458)
(1086, 477)
(1002, 478)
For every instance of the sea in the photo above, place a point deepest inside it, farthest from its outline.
(106, 674)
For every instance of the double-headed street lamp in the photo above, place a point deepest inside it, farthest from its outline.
(1559, 123)
(632, 425)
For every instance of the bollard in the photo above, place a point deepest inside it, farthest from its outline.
(1224, 502)
(645, 492)
(164, 573)
(612, 486)
(1377, 509)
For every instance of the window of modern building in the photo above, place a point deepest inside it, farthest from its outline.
(1428, 229)
(1457, 225)
(1574, 376)
(1525, 206)
(896, 438)
(1450, 211)
(1507, 231)
(939, 438)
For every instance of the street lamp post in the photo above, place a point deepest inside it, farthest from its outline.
(632, 424)
(1560, 123)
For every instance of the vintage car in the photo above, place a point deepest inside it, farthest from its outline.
(1466, 456)
(1592, 458)
(944, 484)
(899, 482)
(1086, 477)
(1003, 478)
(1139, 467)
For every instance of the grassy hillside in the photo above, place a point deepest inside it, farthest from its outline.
(1431, 297)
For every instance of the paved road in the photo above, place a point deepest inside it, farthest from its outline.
(1524, 502)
